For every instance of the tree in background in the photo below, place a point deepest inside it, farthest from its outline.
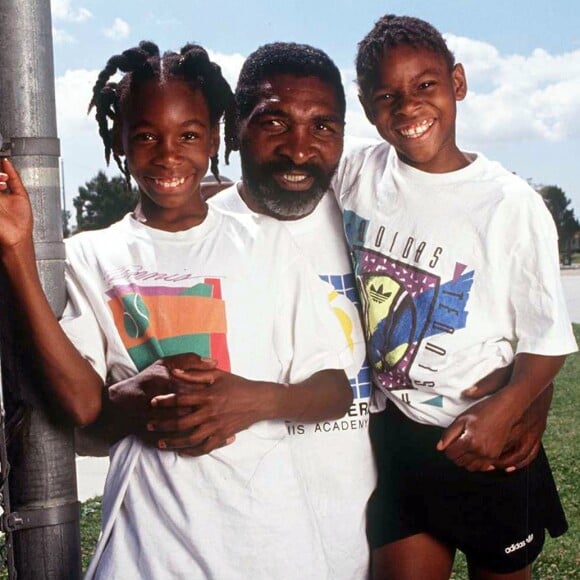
(102, 201)
(66, 231)
(566, 222)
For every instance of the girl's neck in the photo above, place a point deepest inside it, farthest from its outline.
(170, 219)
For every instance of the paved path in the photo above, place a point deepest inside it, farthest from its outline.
(91, 470)
(571, 284)
(91, 473)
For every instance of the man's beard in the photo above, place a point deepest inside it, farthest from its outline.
(277, 201)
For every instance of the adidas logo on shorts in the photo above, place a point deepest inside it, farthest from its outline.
(519, 545)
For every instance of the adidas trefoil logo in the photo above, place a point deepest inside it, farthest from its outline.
(378, 295)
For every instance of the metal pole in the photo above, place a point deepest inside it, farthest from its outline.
(44, 518)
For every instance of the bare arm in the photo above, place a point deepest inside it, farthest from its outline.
(126, 406)
(484, 429)
(231, 404)
(73, 381)
(525, 436)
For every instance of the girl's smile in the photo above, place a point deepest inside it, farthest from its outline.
(166, 135)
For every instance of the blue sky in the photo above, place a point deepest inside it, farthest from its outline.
(522, 60)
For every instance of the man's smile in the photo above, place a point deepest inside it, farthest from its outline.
(295, 180)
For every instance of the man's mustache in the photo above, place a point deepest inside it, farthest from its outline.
(289, 167)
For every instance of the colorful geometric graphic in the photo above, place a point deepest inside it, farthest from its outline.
(158, 321)
(397, 299)
(402, 305)
(346, 310)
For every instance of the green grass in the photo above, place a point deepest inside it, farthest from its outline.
(560, 559)
(90, 528)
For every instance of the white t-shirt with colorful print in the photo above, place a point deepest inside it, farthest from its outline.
(335, 456)
(453, 269)
(236, 290)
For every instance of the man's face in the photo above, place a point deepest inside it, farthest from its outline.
(413, 107)
(290, 145)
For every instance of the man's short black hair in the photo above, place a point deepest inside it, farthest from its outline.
(390, 31)
(280, 58)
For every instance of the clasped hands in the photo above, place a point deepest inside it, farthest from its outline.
(186, 404)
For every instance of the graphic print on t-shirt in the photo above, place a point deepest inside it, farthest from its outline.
(158, 321)
(343, 299)
(345, 285)
(404, 309)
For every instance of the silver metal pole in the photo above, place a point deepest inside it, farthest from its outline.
(44, 520)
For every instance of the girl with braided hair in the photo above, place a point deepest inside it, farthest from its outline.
(203, 482)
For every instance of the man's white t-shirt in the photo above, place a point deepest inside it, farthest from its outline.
(335, 456)
(453, 269)
(233, 288)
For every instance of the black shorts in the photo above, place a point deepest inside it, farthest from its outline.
(496, 519)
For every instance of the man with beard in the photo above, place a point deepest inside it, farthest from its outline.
(291, 106)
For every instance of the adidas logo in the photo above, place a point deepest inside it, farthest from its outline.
(519, 545)
(378, 294)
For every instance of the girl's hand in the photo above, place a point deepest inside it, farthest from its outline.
(15, 209)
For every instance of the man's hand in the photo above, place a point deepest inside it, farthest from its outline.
(462, 450)
(478, 436)
(213, 414)
(525, 437)
(490, 384)
(524, 440)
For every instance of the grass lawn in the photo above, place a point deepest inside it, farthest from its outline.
(560, 559)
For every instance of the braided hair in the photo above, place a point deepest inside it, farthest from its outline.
(388, 32)
(144, 63)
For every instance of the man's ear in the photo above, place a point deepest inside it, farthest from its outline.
(459, 81)
(367, 109)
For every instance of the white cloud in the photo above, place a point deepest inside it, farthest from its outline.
(118, 30)
(61, 36)
(81, 147)
(517, 97)
(230, 64)
(62, 10)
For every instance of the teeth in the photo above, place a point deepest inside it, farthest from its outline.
(417, 130)
(176, 181)
(294, 178)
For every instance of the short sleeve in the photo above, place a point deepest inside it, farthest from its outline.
(80, 324)
(308, 337)
(542, 324)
